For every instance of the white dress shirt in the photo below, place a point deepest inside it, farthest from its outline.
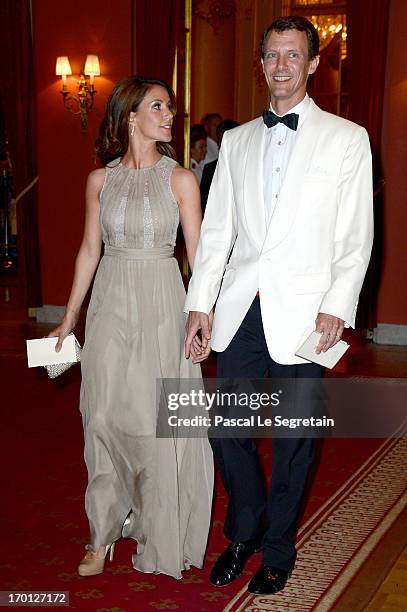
(197, 168)
(278, 145)
(212, 151)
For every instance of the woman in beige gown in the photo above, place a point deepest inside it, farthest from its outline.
(155, 490)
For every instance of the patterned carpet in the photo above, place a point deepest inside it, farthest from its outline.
(44, 527)
(336, 541)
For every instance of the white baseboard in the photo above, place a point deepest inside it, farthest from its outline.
(387, 333)
(50, 314)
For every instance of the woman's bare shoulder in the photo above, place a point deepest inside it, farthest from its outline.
(97, 177)
(184, 185)
(183, 176)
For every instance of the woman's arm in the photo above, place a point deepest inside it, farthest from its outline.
(87, 258)
(186, 191)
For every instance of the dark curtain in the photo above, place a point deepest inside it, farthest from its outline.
(17, 95)
(156, 35)
(158, 31)
(367, 46)
(367, 53)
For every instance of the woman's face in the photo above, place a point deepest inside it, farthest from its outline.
(154, 117)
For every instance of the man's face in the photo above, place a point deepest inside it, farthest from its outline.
(214, 122)
(211, 126)
(286, 66)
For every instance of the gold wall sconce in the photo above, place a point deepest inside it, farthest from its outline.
(82, 103)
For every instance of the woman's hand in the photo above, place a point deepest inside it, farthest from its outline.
(64, 328)
(200, 351)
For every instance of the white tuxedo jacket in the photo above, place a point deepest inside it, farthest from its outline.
(314, 255)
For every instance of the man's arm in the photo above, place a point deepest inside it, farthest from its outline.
(218, 233)
(352, 242)
(196, 347)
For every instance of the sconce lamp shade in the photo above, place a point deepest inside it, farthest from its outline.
(92, 67)
(81, 103)
(63, 66)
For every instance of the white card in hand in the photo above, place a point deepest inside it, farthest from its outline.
(41, 351)
(328, 359)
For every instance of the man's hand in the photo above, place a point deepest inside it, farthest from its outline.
(197, 353)
(198, 348)
(331, 328)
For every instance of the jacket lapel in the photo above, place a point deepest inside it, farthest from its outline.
(290, 194)
(253, 194)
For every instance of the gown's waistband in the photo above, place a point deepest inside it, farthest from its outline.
(125, 253)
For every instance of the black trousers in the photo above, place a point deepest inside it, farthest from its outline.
(252, 513)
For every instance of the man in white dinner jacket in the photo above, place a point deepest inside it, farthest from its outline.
(291, 204)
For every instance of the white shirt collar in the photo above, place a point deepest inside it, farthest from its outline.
(300, 108)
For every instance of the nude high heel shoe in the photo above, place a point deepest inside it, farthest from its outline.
(90, 566)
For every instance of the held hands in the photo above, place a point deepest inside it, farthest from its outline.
(64, 328)
(331, 328)
(197, 347)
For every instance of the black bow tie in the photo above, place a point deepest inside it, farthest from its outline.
(290, 120)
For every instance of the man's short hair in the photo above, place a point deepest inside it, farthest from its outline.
(208, 117)
(225, 125)
(198, 128)
(196, 137)
(294, 22)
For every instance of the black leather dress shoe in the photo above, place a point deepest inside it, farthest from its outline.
(268, 580)
(232, 561)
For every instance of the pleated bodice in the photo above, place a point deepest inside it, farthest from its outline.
(138, 208)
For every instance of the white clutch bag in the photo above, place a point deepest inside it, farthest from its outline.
(41, 352)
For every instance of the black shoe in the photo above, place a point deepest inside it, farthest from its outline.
(231, 562)
(268, 580)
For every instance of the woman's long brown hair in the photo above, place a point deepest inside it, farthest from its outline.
(113, 140)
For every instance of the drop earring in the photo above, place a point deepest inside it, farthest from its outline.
(132, 129)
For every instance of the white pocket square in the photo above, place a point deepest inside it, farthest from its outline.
(317, 171)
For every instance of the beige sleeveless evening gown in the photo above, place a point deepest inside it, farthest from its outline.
(134, 335)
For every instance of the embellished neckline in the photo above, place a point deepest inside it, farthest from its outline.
(142, 169)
